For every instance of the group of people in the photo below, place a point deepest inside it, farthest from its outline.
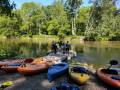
(60, 46)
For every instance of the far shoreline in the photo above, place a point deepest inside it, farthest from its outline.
(52, 37)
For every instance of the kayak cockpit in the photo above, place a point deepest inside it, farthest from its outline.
(79, 70)
(110, 71)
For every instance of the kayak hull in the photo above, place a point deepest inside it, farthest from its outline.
(10, 68)
(32, 69)
(56, 71)
(107, 78)
(79, 77)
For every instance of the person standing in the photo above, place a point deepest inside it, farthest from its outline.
(68, 47)
(63, 47)
(54, 47)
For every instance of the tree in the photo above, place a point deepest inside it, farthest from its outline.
(6, 7)
(82, 19)
(56, 19)
(9, 26)
(33, 16)
(102, 21)
(72, 7)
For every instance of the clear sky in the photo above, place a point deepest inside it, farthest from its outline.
(48, 2)
(43, 2)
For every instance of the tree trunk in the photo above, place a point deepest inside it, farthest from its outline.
(39, 26)
(39, 31)
(73, 27)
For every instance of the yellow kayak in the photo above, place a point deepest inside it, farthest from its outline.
(79, 74)
(8, 83)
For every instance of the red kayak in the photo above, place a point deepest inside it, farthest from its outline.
(110, 77)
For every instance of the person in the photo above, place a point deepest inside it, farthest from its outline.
(63, 47)
(68, 47)
(54, 47)
(60, 43)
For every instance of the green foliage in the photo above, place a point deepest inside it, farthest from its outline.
(82, 20)
(103, 23)
(72, 7)
(6, 7)
(9, 26)
(96, 22)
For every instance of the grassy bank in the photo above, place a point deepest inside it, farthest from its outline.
(2, 37)
(45, 38)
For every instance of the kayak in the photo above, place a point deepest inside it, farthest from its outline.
(6, 84)
(10, 68)
(65, 86)
(79, 74)
(16, 61)
(31, 69)
(109, 76)
(51, 60)
(56, 71)
(39, 61)
(8, 62)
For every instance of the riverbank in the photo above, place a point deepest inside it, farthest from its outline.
(44, 37)
(54, 37)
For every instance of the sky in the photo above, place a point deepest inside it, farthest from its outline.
(49, 2)
(43, 2)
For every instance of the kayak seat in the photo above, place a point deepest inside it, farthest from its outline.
(109, 71)
(79, 69)
(29, 60)
(116, 77)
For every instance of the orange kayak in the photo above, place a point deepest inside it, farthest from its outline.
(39, 61)
(32, 69)
(107, 77)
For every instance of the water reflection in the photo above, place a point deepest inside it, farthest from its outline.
(22, 49)
(98, 53)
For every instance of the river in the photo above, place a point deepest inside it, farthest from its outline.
(96, 53)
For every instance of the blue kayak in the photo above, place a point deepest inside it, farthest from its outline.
(65, 86)
(57, 70)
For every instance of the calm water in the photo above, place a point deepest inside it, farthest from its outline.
(97, 53)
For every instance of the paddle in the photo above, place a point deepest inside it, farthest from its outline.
(112, 62)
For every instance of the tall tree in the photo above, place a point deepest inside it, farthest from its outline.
(101, 22)
(72, 7)
(33, 16)
(6, 7)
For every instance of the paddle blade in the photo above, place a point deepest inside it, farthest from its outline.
(113, 62)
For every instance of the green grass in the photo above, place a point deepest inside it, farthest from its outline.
(46, 38)
(2, 37)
